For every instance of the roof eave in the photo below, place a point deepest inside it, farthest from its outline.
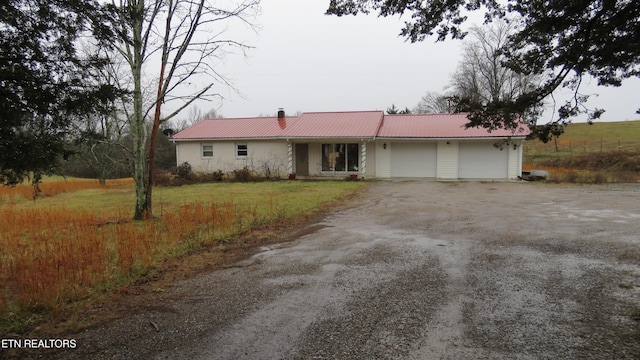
(228, 139)
(368, 137)
(451, 138)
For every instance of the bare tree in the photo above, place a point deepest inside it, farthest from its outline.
(100, 151)
(433, 103)
(195, 115)
(482, 76)
(101, 148)
(176, 43)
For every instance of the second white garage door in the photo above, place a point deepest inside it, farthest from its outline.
(413, 159)
(482, 161)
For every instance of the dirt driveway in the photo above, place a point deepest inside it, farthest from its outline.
(415, 270)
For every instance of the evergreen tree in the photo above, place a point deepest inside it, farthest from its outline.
(44, 83)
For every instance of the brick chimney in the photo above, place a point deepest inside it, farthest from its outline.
(282, 122)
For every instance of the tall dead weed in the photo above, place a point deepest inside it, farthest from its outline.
(51, 256)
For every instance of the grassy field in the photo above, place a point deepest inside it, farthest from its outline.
(75, 241)
(598, 153)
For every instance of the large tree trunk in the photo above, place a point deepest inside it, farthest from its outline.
(138, 129)
(140, 161)
(148, 211)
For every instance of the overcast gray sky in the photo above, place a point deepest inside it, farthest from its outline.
(306, 61)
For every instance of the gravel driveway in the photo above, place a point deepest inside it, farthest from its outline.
(415, 270)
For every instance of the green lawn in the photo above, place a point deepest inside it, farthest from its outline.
(292, 196)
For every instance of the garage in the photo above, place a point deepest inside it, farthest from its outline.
(413, 159)
(482, 160)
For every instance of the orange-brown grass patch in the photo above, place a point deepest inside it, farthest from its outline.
(82, 244)
(581, 176)
(54, 255)
(596, 167)
(55, 187)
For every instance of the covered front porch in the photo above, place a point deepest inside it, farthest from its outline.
(329, 158)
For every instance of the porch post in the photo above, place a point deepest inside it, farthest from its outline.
(363, 161)
(289, 157)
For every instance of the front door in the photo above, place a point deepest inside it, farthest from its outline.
(302, 159)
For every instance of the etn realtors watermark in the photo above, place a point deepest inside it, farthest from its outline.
(37, 343)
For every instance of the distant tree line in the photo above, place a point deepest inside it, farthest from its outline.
(105, 152)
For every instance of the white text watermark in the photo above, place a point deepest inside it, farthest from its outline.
(37, 343)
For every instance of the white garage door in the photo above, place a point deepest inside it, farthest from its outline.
(413, 159)
(482, 161)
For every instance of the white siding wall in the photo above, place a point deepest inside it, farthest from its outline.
(383, 159)
(371, 159)
(261, 154)
(447, 160)
(515, 161)
(451, 161)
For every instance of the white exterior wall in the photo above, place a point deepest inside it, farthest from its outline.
(383, 159)
(370, 159)
(447, 167)
(274, 155)
(261, 154)
(515, 161)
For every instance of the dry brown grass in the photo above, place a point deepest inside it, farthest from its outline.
(55, 187)
(571, 171)
(53, 255)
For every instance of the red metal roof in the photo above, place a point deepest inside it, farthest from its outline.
(238, 128)
(353, 124)
(438, 126)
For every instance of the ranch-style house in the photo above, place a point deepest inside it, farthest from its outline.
(363, 144)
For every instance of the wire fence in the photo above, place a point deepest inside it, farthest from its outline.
(581, 146)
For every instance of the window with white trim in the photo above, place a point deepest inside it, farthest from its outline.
(207, 151)
(242, 150)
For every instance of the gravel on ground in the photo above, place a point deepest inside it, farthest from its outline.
(412, 270)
